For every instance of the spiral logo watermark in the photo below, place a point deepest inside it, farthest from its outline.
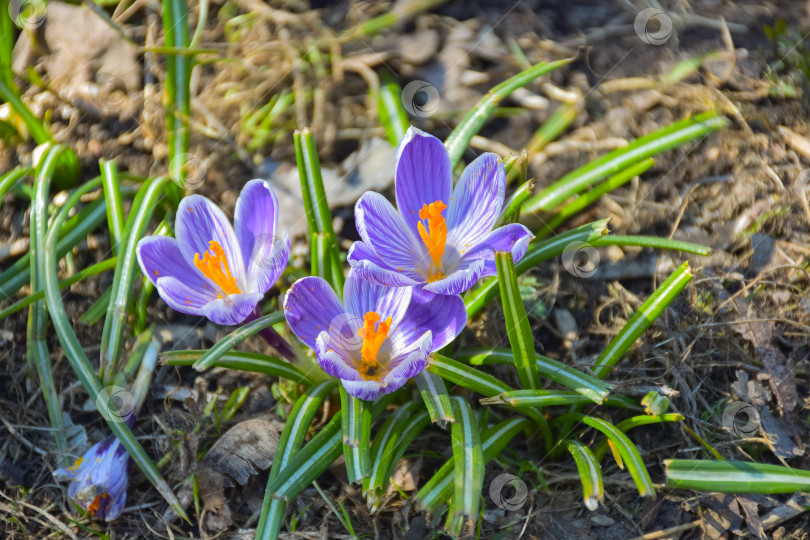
(653, 26)
(267, 258)
(580, 259)
(344, 332)
(116, 404)
(499, 493)
(28, 14)
(420, 98)
(111, 90)
(188, 171)
(741, 418)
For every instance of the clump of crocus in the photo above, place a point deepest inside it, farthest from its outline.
(98, 480)
(378, 337)
(441, 238)
(213, 269)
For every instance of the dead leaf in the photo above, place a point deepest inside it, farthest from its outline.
(216, 514)
(244, 450)
(751, 510)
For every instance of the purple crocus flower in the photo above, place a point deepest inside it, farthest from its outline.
(376, 339)
(211, 268)
(421, 245)
(98, 480)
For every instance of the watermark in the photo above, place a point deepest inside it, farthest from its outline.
(267, 260)
(28, 14)
(653, 26)
(508, 484)
(115, 404)
(344, 332)
(580, 259)
(188, 171)
(420, 98)
(741, 418)
(111, 90)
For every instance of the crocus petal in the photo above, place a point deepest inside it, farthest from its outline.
(362, 296)
(160, 256)
(368, 265)
(367, 390)
(461, 279)
(383, 229)
(334, 358)
(180, 297)
(477, 201)
(310, 307)
(254, 221)
(232, 309)
(410, 361)
(199, 221)
(513, 237)
(422, 174)
(267, 263)
(443, 315)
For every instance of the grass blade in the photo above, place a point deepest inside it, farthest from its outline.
(641, 420)
(460, 138)
(178, 86)
(10, 179)
(641, 320)
(439, 488)
(243, 361)
(549, 398)
(319, 218)
(38, 353)
(588, 198)
(538, 252)
(112, 338)
(84, 370)
(590, 472)
(397, 435)
(652, 242)
(626, 449)
(290, 441)
(642, 148)
(511, 208)
(112, 194)
(735, 476)
(468, 469)
(437, 399)
(389, 108)
(224, 345)
(466, 376)
(356, 427)
(589, 386)
(103, 266)
(517, 322)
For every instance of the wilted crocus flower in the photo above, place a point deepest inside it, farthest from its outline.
(99, 479)
(441, 238)
(378, 337)
(211, 268)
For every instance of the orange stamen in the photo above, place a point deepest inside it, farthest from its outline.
(215, 267)
(373, 335)
(94, 506)
(434, 236)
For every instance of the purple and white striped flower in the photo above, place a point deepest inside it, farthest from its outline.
(212, 268)
(98, 480)
(376, 339)
(420, 245)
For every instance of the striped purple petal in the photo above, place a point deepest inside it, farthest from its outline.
(231, 309)
(335, 358)
(159, 256)
(368, 265)
(382, 228)
(310, 307)
(183, 298)
(443, 315)
(362, 296)
(410, 361)
(476, 204)
(462, 278)
(255, 220)
(368, 390)
(199, 221)
(422, 174)
(513, 237)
